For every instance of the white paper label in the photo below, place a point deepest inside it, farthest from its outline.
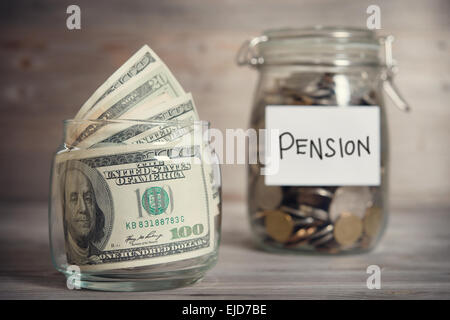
(326, 146)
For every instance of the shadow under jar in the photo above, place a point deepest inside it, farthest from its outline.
(138, 212)
(320, 77)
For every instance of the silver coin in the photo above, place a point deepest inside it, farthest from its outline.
(315, 197)
(305, 222)
(350, 199)
(317, 191)
(305, 212)
(323, 232)
(300, 219)
(294, 212)
(321, 240)
(316, 213)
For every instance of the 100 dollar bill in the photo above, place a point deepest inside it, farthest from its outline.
(178, 110)
(142, 60)
(153, 86)
(130, 206)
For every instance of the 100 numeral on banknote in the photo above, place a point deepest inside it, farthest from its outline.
(128, 207)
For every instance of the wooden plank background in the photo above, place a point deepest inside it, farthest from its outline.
(48, 72)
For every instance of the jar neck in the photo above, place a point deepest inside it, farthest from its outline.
(326, 46)
(319, 54)
(300, 68)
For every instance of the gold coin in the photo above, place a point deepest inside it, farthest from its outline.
(322, 240)
(279, 225)
(347, 229)
(372, 221)
(302, 234)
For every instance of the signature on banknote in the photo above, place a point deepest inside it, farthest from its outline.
(151, 237)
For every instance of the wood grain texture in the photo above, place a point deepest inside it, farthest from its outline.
(49, 71)
(414, 258)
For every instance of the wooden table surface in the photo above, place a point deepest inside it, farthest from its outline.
(414, 258)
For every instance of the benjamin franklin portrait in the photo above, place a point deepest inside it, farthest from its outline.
(84, 221)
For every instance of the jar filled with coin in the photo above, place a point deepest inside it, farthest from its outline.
(320, 182)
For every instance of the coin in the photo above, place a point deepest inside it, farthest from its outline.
(316, 213)
(347, 229)
(306, 222)
(294, 212)
(319, 191)
(302, 234)
(315, 197)
(372, 221)
(279, 225)
(322, 240)
(303, 217)
(350, 199)
(267, 197)
(323, 232)
(297, 99)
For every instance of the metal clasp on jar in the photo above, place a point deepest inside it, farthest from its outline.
(247, 54)
(390, 70)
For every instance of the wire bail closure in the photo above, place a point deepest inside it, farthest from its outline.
(249, 55)
(390, 70)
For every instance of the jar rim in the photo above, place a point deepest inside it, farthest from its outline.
(340, 32)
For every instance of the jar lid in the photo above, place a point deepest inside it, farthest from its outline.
(319, 45)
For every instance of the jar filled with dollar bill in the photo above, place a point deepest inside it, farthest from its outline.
(321, 180)
(137, 205)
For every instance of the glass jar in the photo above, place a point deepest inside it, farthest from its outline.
(135, 214)
(320, 82)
